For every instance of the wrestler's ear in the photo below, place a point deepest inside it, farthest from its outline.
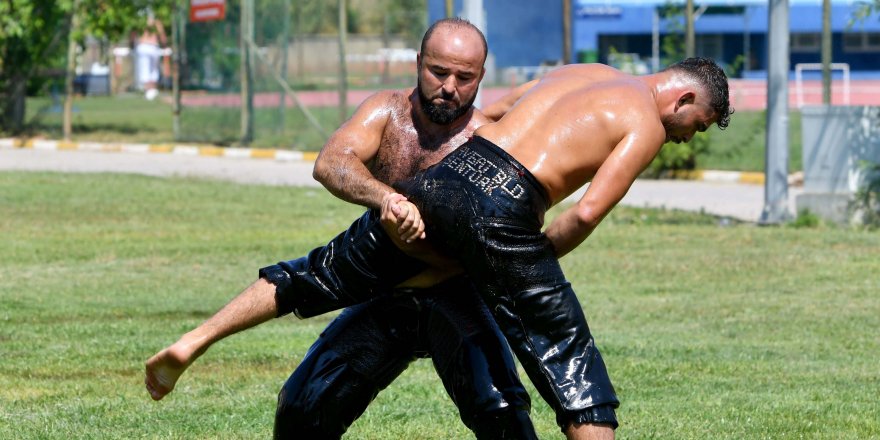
(684, 99)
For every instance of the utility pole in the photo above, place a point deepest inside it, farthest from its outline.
(247, 72)
(776, 167)
(449, 9)
(343, 70)
(67, 123)
(689, 43)
(566, 31)
(285, 45)
(826, 52)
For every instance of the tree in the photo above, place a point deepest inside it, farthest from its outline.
(33, 34)
(31, 43)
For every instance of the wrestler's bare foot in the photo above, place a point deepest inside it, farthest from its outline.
(166, 366)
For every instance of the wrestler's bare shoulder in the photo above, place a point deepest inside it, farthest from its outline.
(390, 102)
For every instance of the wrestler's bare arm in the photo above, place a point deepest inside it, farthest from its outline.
(609, 185)
(342, 164)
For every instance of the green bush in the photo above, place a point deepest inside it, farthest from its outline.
(675, 157)
(805, 219)
(865, 206)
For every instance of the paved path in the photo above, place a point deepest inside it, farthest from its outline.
(735, 200)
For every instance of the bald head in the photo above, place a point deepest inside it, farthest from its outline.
(454, 27)
(450, 67)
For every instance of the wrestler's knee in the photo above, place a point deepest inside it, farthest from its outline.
(321, 407)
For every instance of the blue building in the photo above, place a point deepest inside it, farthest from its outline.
(734, 32)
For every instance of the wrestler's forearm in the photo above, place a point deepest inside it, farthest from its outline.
(346, 177)
(568, 230)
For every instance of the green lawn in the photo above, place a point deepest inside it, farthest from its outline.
(741, 146)
(133, 119)
(709, 331)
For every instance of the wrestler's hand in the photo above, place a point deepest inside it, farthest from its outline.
(401, 219)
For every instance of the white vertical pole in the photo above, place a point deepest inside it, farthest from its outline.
(474, 13)
(776, 167)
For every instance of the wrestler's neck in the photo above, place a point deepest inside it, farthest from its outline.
(666, 88)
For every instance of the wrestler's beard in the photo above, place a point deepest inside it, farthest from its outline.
(439, 113)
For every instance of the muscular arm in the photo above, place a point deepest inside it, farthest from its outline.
(342, 164)
(500, 107)
(609, 185)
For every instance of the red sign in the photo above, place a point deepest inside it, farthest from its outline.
(207, 10)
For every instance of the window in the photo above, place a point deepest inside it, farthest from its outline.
(805, 42)
(711, 46)
(861, 42)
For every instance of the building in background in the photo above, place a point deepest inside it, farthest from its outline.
(524, 34)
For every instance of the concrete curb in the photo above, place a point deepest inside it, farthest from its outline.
(176, 149)
(750, 177)
(755, 178)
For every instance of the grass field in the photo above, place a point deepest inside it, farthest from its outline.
(133, 119)
(708, 331)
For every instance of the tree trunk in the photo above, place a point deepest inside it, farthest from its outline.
(13, 104)
(247, 72)
(67, 119)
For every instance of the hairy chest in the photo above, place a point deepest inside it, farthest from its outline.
(404, 151)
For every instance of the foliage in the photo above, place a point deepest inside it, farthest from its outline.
(863, 10)
(33, 37)
(672, 43)
(682, 156)
(805, 219)
(866, 202)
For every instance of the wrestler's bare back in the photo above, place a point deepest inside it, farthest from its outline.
(566, 126)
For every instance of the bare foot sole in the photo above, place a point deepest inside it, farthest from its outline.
(163, 370)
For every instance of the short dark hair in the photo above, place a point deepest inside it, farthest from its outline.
(713, 79)
(456, 22)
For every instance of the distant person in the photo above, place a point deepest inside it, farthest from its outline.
(148, 49)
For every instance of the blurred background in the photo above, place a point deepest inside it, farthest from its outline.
(283, 74)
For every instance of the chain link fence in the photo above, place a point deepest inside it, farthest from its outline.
(295, 65)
